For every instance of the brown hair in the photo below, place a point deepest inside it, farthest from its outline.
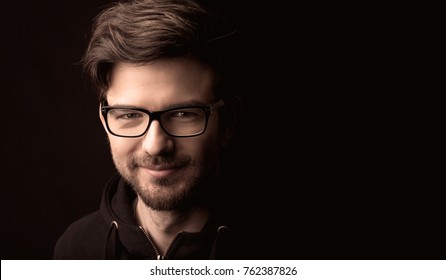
(143, 31)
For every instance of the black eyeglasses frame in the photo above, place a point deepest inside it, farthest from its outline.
(156, 115)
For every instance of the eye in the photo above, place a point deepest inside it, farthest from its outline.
(125, 114)
(130, 116)
(183, 114)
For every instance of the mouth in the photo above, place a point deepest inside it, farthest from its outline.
(160, 171)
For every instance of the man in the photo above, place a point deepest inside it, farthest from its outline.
(168, 106)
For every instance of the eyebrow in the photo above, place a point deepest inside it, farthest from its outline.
(176, 105)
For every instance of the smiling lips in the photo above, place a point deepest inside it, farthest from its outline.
(160, 171)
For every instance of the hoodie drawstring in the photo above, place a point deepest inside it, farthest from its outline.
(221, 232)
(111, 243)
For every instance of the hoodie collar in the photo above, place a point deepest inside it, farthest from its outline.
(126, 240)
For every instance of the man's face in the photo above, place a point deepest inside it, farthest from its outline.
(165, 171)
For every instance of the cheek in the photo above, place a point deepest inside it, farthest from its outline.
(121, 147)
(200, 147)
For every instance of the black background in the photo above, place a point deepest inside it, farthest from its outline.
(323, 165)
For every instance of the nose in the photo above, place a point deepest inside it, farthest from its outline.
(156, 141)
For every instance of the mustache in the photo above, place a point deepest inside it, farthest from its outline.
(152, 161)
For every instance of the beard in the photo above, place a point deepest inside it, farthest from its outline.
(176, 192)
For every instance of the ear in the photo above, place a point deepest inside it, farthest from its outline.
(232, 110)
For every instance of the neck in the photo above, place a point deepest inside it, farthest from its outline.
(163, 226)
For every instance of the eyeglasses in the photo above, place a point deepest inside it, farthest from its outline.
(125, 121)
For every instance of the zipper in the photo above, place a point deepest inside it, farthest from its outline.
(157, 252)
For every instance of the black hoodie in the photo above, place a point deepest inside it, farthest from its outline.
(112, 233)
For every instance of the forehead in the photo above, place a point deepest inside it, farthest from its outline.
(161, 84)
